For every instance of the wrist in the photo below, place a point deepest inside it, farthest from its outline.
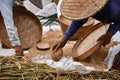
(65, 39)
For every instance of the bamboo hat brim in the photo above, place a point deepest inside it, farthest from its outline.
(80, 9)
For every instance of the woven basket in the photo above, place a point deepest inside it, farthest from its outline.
(64, 23)
(28, 26)
(87, 43)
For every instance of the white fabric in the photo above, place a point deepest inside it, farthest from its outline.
(9, 52)
(58, 8)
(6, 7)
(45, 2)
(66, 64)
(31, 7)
(113, 51)
(48, 10)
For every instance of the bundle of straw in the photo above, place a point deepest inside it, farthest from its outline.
(11, 68)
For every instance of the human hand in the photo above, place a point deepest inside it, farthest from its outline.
(19, 50)
(57, 55)
(106, 38)
(59, 44)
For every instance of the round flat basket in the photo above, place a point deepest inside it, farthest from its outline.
(64, 23)
(28, 26)
(87, 43)
(43, 45)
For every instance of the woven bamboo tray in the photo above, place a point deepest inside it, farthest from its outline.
(64, 23)
(87, 43)
(28, 26)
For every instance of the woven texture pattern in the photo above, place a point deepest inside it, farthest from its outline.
(87, 43)
(28, 26)
(79, 9)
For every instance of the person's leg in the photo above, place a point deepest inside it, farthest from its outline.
(6, 8)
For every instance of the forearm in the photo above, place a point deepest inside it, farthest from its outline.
(7, 13)
(72, 29)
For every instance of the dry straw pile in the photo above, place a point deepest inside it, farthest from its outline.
(11, 68)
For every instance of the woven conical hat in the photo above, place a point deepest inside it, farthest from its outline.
(79, 9)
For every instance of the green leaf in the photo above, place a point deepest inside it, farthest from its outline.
(50, 19)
